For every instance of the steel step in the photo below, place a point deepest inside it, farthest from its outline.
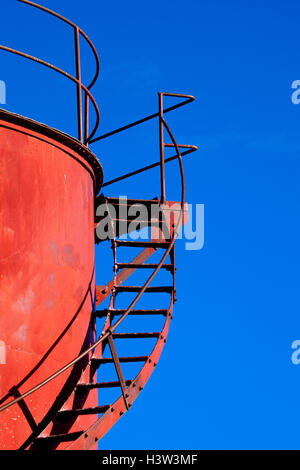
(123, 226)
(165, 289)
(114, 312)
(46, 441)
(67, 414)
(168, 267)
(131, 202)
(144, 244)
(119, 204)
(96, 362)
(90, 386)
(133, 220)
(136, 335)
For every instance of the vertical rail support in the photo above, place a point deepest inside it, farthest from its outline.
(172, 257)
(161, 147)
(118, 369)
(79, 83)
(86, 122)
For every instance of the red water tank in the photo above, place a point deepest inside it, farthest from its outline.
(48, 181)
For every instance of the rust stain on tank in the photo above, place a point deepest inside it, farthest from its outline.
(53, 248)
(24, 301)
(22, 333)
(67, 253)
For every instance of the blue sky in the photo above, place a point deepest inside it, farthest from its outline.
(225, 379)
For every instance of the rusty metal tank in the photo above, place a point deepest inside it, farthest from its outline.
(47, 185)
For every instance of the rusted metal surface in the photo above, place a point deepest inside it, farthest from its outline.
(47, 271)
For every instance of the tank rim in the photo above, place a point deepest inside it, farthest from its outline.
(61, 138)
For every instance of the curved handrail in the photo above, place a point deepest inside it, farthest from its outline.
(80, 87)
(62, 72)
(111, 329)
(66, 20)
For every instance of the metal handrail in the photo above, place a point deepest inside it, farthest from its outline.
(86, 138)
(189, 99)
(104, 336)
(191, 149)
(163, 160)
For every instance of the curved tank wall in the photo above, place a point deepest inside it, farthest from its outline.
(47, 187)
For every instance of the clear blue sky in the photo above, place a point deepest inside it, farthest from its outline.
(225, 379)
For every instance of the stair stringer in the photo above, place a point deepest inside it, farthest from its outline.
(114, 413)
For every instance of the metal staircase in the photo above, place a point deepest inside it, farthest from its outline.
(129, 388)
(59, 429)
(163, 220)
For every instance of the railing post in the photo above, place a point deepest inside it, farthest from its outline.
(87, 114)
(161, 147)
(118, 369)
(79, 89)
